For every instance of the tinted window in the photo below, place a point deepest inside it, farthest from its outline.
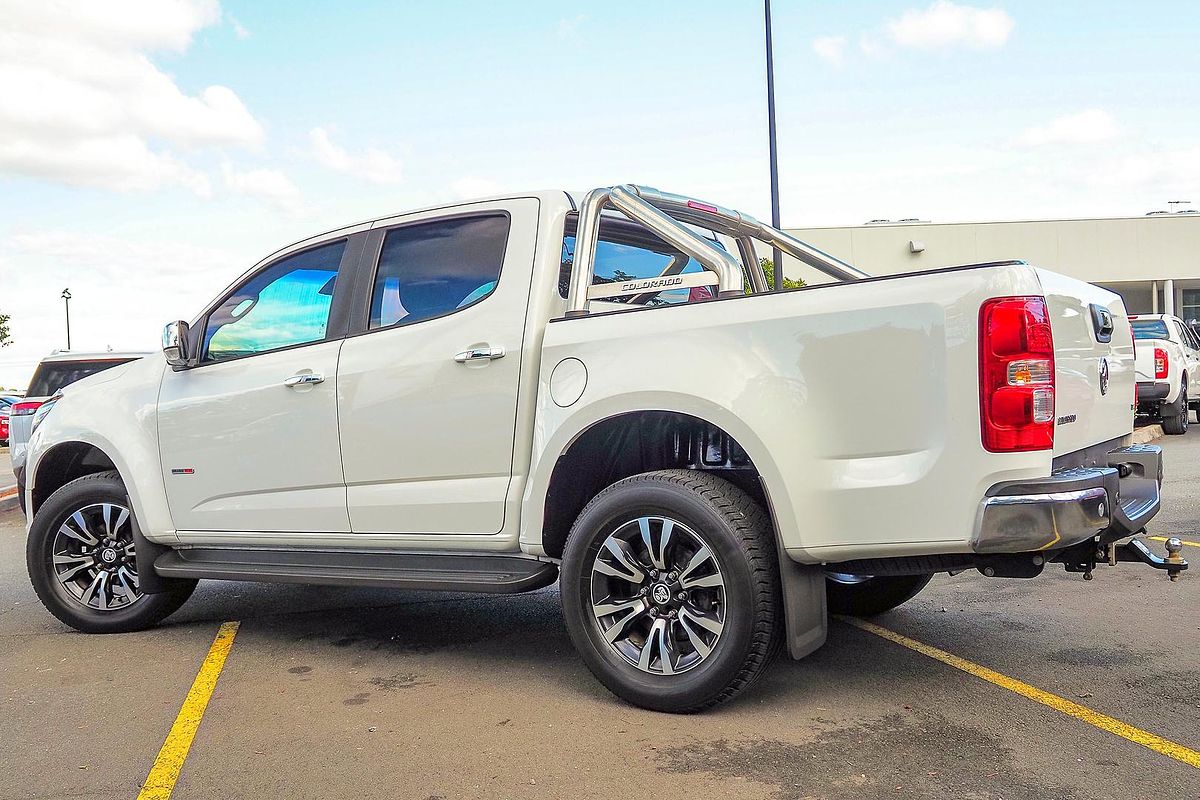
(51, 376)
(1149, 329)
(432, 269)
(629, 252)
(286, 304)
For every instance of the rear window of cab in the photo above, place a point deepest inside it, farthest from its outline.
(1150, 329)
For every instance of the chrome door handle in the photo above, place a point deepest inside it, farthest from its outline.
(479, 354)
(305, 379)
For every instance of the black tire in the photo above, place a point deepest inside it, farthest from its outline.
(873, 595)
(1175, 416)
(738, 533)
(79, 494)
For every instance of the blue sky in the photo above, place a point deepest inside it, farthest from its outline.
(125, 175)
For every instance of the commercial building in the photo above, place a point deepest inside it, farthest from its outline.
(1152, 261)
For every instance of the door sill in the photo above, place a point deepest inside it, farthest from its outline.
(446, 572)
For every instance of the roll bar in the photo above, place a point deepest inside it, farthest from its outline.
(667, 216)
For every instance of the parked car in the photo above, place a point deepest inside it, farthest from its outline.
(1168, 369)
(6, 402)
(54, 372)
(493, 395)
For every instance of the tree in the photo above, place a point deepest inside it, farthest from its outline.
(768, 268)
(5, 336)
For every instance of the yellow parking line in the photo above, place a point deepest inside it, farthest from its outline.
(1101, 721)
(161, 780)
(1185, 541)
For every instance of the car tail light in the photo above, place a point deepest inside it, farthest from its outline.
(25, 409)
(1161, 362)
(1016, 375)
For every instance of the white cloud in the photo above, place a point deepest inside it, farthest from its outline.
(870, 45)
(372, 164)
(82, 103)
(831, 49)
(946, 24)
(266, 184)
(168, 279)
(1170, 172)
(467, 188)
(1084, 127)
(239, 30)
(568, 27)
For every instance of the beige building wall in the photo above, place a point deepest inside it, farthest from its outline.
(1135, 256)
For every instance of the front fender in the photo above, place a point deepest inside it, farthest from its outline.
(119, 418)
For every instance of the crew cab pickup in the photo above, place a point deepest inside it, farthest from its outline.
(603, 391)
(1167, 360)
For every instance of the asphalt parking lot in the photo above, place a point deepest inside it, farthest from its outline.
(341, 693)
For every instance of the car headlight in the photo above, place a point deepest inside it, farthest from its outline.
(43, 411)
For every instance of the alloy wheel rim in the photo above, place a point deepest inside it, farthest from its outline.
(658, 595)
(93, 557)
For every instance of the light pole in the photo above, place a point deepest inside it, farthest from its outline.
(776, 254)
(66, 296)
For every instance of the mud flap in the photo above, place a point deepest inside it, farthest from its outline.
(804, 608)
(145, 553)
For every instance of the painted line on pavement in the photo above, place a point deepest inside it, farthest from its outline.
(161, 780)
(1185, 541)
(1061, 704)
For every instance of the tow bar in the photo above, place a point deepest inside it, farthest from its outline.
(1137, 550)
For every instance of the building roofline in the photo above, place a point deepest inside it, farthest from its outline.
(1053, 220)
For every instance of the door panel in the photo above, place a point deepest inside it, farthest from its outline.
(427, 439)
(265, 456)
(248, 438)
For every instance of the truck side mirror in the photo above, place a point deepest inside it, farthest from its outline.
(175, 344)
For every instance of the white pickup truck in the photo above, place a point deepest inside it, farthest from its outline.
(1167, 359)
(603, 391)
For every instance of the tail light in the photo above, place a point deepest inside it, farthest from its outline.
(1161, 362)
(25, 409)
(1016, 375)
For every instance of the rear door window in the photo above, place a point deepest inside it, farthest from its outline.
(431, 269)
(1150, 329)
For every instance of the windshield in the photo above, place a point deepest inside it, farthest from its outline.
(54, 375)
(1150, 329)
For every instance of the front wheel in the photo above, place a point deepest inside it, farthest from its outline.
(80, 556)
(866, 596)
(670, 590)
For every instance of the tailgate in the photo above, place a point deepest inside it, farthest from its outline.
(1094, 379)
(1144, 358)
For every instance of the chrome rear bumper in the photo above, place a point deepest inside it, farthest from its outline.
(1111, 500)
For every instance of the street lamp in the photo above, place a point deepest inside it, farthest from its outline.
(776, 254)
(66, 296)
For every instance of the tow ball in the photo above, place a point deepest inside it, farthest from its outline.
(1137, 550)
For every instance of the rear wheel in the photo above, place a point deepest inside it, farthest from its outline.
(866, 595)
(81, 560)
(670, 590)
(1175, 416)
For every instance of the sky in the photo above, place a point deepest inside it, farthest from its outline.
(152, 150)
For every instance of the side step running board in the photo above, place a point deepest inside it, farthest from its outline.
(495, 574)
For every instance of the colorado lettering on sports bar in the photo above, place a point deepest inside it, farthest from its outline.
(653, 283)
